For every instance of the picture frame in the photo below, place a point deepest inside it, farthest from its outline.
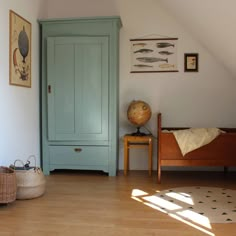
(154, 55)
(191, 62)
(19, 50)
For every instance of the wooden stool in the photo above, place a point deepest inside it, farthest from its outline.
(137, 142)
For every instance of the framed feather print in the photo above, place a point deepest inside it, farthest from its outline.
(20, 50)
(154, 55)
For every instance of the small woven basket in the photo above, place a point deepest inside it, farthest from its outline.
(7, 185)
(30, 181)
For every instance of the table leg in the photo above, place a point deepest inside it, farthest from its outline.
(126, 157)
(150, 157)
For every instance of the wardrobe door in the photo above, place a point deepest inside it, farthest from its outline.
(77, 81)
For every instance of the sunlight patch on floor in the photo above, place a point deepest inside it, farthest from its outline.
(176, 211)
(154, 207)
(162, 203)
(181, 197)
(192, 225)
(138, 192)
(195, 217)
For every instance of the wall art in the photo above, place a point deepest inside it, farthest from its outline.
(191, 62)
(20, 50)
(154, 55)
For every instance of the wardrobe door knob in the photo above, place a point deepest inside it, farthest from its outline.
(78, 149)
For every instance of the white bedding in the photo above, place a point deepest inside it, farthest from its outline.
(193, 138)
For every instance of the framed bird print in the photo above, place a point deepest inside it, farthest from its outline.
(20, 50)
(154, 55)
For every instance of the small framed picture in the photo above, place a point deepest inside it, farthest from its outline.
(191, 62)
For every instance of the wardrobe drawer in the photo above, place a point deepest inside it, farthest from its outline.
(79, 155)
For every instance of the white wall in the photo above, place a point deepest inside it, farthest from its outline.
(19, 106)
(81, 8)
(218, 16)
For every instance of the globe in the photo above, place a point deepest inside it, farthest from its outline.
(139, 113)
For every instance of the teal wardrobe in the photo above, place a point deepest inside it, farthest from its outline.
(79, 94)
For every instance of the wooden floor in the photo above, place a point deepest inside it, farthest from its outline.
(91, 203)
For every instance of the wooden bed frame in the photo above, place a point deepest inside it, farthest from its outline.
(220, 152)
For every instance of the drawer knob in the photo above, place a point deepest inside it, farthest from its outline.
(78, 149)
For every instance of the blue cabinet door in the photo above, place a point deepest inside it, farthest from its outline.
(78, 86)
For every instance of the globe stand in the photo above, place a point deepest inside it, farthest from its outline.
(138, 133)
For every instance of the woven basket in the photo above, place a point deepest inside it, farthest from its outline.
(31, 181)
(7, 185)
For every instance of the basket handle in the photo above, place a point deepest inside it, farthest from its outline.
(18, 160)
(31, 156)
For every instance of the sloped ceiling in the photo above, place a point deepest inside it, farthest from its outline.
(212, 23)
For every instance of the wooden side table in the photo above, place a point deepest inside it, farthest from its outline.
(137, 142)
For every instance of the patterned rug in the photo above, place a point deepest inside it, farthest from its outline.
(216, 205)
